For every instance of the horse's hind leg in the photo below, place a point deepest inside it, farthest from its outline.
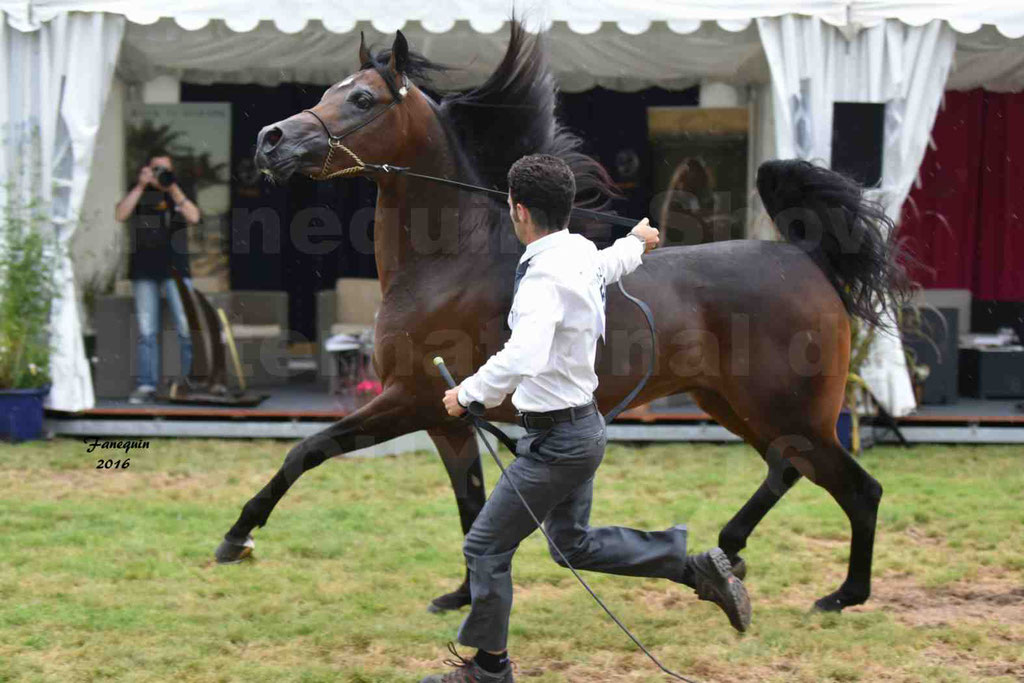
(781, 477)
(822, 459)
(461, 456)
(733, 536)
(858, 494)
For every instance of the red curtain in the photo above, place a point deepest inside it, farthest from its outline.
(965, 223)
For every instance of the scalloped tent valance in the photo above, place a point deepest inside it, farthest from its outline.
(608, 57)
(1007, 16)
(439, 16)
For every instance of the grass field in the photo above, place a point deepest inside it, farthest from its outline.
(106, 575)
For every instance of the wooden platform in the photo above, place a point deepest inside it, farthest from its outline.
(311, 402)
(298, 410)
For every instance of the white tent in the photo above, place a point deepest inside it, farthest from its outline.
(59, 57)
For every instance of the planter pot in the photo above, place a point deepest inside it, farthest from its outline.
(844, 430)
(21, 413)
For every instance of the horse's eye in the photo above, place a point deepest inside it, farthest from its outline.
(361, 99)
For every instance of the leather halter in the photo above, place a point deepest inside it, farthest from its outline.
(334, 141)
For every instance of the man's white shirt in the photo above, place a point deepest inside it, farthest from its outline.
(556, 317)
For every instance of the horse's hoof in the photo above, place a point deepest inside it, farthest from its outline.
(233, 551)
(829, 603)
(450, 602)
(836, 602)
(739, 568)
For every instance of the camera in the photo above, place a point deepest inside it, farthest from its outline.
(163, 175)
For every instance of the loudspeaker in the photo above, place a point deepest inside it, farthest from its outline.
(991, 373)
(935, 343)
(858, 132)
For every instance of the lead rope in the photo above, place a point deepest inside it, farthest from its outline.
(475, 413)
(599, 215)
(476, 420)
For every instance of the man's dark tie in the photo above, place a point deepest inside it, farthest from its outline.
(520, 272)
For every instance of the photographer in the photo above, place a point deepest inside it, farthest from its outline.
(158, 211)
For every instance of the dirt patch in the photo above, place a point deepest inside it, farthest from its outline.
(968, 663)
(920, 536)
(991, 599)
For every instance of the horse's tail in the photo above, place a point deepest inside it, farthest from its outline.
(827, 215)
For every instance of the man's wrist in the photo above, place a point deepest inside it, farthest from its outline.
(179, 196)
(640, 237)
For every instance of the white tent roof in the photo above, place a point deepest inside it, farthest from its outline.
(618, 44)
(487, 16)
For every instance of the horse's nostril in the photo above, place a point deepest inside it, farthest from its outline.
(273, 137)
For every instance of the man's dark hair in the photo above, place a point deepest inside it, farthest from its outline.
(157, 152)
(545, 185)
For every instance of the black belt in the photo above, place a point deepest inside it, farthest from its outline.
(548, 419)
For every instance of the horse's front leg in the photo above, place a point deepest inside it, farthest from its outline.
(390, 415)
(456, 443)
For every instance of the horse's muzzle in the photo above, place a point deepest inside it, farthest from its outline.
(284, 147)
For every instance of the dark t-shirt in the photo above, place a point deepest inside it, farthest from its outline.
(158, 236)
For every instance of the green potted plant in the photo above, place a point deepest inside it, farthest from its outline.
(28, 263)
(861, 337)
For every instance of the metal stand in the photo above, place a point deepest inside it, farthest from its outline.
(886, 420)
(212, 340)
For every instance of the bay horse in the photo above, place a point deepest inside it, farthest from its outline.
(757, 331)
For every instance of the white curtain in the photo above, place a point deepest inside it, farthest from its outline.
(59, 75)
(814, 65)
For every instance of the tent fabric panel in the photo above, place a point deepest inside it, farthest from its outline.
(72, 61)
(607, 58)
(988, 60)
(813, 66)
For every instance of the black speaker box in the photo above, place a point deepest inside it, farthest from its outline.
(992, 373)
(935, 343)
(858, 133)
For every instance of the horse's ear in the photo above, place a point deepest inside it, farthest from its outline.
(364, 54)
(399, 54)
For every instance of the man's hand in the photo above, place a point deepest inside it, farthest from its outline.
(146, 177)
(451, 402)
(650, 235)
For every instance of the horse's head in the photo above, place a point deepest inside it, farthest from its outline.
(363, 118)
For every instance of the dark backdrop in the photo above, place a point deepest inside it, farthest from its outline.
(612, 124)
(964, 220)
(258, 260)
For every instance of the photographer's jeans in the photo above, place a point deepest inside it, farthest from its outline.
(147, 312)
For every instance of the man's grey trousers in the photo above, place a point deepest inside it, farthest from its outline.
(554, 470)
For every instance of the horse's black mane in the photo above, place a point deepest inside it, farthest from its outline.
(510, 115)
